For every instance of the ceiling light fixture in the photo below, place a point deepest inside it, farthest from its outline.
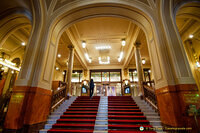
(83, 44)
(143, 61)
(88, 58)
(198, 64)
(149, 71)
(63, 73)
(120, 56)
(191, 36)
(23, 43)
(8, 64)
(104, 62)
(103, 47)
(59, 55)
(57, 68)
(123, 42)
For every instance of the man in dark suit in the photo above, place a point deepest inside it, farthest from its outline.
(91, 87)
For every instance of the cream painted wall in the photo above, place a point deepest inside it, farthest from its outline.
(58, 75)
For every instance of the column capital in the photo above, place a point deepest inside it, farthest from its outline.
(137, 44)
(70, 46)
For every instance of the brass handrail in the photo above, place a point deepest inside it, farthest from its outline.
(4, 101)
(58, 97)
(150, 96)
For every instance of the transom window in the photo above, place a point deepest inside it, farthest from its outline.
(106, 75)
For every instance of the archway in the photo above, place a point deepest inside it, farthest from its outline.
(15, 30)
(188, 24)
(65, 20)
(37, 71)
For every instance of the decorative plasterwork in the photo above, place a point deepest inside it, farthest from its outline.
(48, 2)
(60, 3)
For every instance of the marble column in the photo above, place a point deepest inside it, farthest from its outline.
(139, 68)
(69, 70)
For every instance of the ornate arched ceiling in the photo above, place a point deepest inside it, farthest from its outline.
(58, 4)
(60, 9)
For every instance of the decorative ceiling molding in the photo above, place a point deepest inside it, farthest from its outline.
(79, 56)
(130, 51)
(48, 3)
(61, 3)
(146, 2)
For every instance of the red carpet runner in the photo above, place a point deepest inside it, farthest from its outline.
(79, 118)
(124, 116)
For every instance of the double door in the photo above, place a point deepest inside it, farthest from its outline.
(105, 90)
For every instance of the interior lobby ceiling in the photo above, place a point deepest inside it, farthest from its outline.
(13, 44)
(103, 31)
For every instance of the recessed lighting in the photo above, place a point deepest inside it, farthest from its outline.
(83, 44)
(23, 43)
(57, 68)
(12, 72)
(63, 73)
(123, 42)
(191, 36)
(59, 55)
(103, 47)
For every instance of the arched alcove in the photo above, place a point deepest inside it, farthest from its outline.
(188, 24)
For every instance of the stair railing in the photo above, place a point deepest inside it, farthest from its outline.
(150, 96)
(4, 101)
(58, 97)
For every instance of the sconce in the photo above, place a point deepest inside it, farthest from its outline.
(126, 82)
(84, 82)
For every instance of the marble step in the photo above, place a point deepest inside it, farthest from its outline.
(101, 127)
(43, 131)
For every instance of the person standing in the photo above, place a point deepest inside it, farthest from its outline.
(91, 87)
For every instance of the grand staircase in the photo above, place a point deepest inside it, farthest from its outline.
(112, 114)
